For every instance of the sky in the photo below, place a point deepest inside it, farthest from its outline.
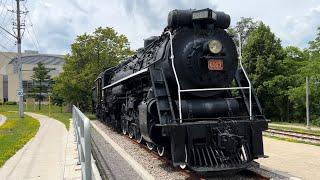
(52, 25)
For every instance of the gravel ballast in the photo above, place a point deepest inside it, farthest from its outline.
(116, 167)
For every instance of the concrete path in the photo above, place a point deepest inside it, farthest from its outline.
(2, 119)
(300, 160)
(43, 157)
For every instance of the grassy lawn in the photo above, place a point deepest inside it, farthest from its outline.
(293, 123)
(15, 133)
(296, 129)
(55, 112)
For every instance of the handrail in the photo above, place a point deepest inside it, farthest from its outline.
(245, 74)
(82, 132)
(175, 75)
(206, 89)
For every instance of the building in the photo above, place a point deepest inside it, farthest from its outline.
(30, 59)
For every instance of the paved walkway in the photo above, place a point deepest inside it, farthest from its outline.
(43, 157)
(300, 160)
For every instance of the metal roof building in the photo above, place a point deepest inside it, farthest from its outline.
(43, 58)
(29, 59)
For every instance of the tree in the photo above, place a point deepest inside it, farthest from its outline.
(314, 46)
(90, 55)
(243, 27)
(57, 99)
(262, 45)
(307, 65)
(41, 82)
(262, 57)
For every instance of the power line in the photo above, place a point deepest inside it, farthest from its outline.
(6, 47)
(3, 6)
(35, 45)
(37, 41)
(34, 37)
(18, 25)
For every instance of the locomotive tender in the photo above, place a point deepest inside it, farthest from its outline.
(184, 94)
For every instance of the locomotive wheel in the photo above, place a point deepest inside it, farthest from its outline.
(124, 127)
(150, 146)
(160, 150)
(139, 138)
(185, 165)
(131, 133)
(124, 131)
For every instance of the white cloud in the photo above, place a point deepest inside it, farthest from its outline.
(58, 22)
(300, 29)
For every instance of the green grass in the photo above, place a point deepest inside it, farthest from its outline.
(90, 116)
(292, 123)
(290, 139)
(55, 112)
(15, 133)
(296, 129)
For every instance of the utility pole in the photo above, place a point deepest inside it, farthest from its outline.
(307, 102)
(17, 36)
(20, 88)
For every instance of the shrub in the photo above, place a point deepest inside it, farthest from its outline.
(10, 103)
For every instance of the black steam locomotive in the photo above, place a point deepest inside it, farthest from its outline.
(183, 94)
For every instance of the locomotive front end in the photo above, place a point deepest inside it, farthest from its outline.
(184, 93)
(215, 129)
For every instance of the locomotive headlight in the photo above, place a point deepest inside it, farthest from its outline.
(215, 46)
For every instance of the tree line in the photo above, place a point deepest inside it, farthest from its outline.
(277, 73)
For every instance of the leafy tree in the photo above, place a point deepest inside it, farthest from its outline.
(314, 46)
(41, 82)
(243, 27)
(262, 45)
(57, 99)
(90, 55)
(285, 80)
(263, 56)
(308, 66)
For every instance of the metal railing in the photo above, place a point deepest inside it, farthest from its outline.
(82, 132)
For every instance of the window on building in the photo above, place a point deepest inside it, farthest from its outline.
(27, 86)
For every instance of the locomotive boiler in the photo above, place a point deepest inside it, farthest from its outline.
(186, 93)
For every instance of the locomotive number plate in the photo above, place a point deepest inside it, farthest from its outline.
(215, 64)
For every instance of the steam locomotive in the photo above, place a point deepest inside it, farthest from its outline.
(183, 93)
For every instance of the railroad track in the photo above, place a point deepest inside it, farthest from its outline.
(249, 173)
(301, 136)
(252, 172)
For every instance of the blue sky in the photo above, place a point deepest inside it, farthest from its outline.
(57, 22)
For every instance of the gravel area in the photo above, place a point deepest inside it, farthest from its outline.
(153, 164)
(162, 169)
(112, 164)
